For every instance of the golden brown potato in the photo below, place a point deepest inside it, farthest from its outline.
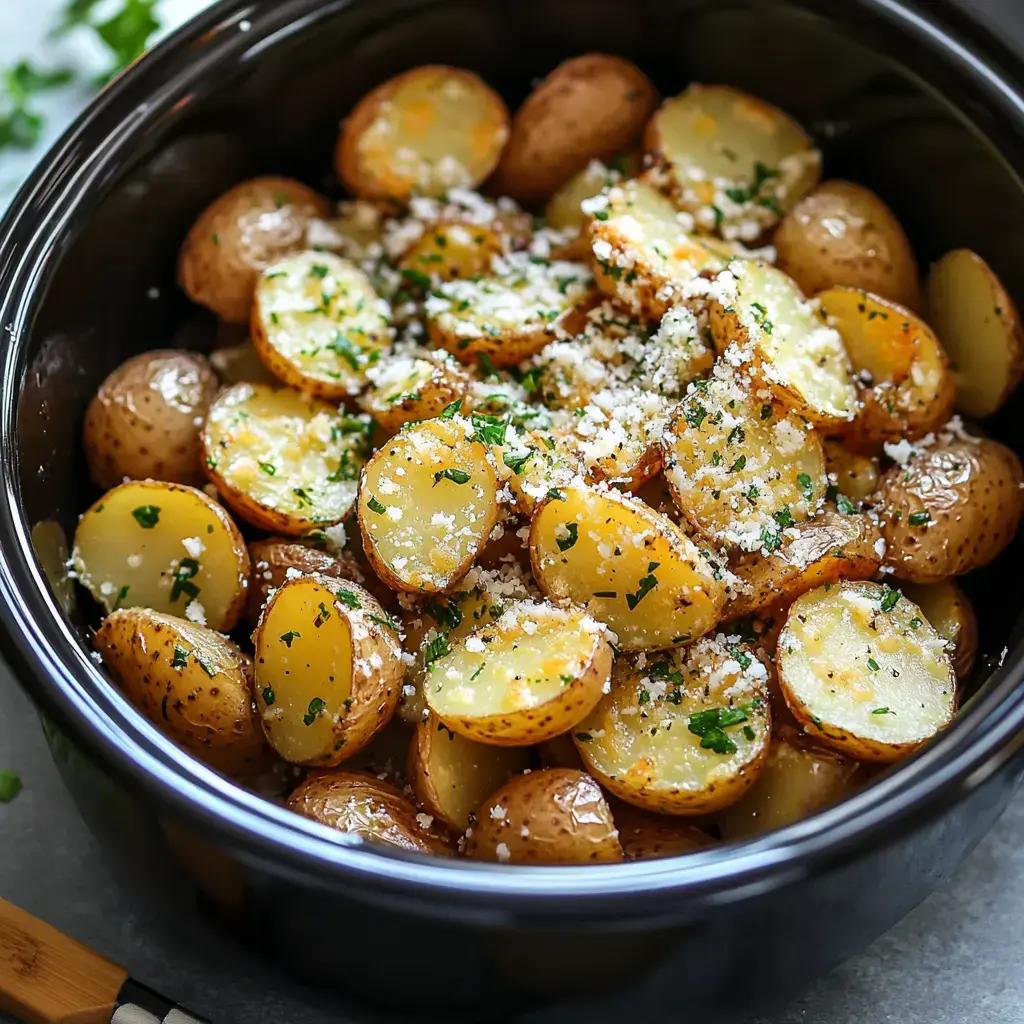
(645, 836)
(238, 236)
(386, 755)
(588, 108)
(559, 752)
(360, 804)
(239, 364)
(423, 132)
(328, 669)
(951, 508)
(980, 329)
(864, 672)
(448, 251)
(947, 608)
(843, 234)
(856, 475)
(563, 210)
(551, 816)
(406, 389)
(193, 684)
(144, 420)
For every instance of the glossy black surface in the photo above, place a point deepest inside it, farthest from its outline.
(894, 102)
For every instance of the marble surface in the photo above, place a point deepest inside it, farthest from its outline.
(957, 958)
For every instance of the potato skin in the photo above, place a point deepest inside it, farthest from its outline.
(551, 816)
(843, 234)
(646, 836)
(240, 234)
(144, 420)
(949, 611)
(589, 108)
(970, 491)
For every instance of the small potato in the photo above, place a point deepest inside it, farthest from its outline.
(328, 669)
(450, 251)
(949, 611)
(428, 502)
(238, 236)
(426, 131)
(360, 804)
(559, 752)
(647, 836)
(685, 733)
(863, 671)
(451, 775)
(735, 162)
(910, 389)
(551, 816)
(512, 315)
(144, 420)
(632, 569)
(193, 684)
(354, 231)
(980, 329)
(856, 475)
(801, 359)
(318, 324)
(386, 755)
(239, 364)
(523, 679)
(283, 462)
(166, 547)
(552, 461)
(843, 234)
(563, 211)
(588, 108)
(952, 508)
(406, 389)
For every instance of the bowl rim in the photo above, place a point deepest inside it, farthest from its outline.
(49, 658)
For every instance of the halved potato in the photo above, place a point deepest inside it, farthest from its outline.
(741, 468)
(423, 132)
(949, 611)
(563, 210)
(143, 422)
(864, 671)
(952, 507)
(532, 674)
(735, 161)
(283, 462)
(405, 389)
(512, 315)
(646, 836)
(427, 505)
(685, 732)
(328, 669)
(856, 475)
(450, 251)
(980, 329)
(630, 567)
(163, 546)
(843, 234)
(551, 816)
(355, 230)
(193, 684)
(802, 359)
(360, 804)
(588, 108)
(641, 249)
(318, 324)
(451, 775)
(542, 461)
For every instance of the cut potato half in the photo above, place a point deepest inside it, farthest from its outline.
(949, 611)
(630, 567)
(166, 547)
(684, 732)
(563, 210)
(542, 462)
(406, 389)
(864, 671)
(449, 252)
(524, 679)
(980, 329)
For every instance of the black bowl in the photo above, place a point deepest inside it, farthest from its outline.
(917, 103)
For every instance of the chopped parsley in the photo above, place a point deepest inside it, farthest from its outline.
(490, 429)
(516, 462)
(647, 584)
(316, 707)
(695, 414)
(806, 484)
(269, 696)
(147, 516)
(436, 649)
(187, 569)
(710, 725)
(450, 410)
(844, 505)
(287, 638)
(572, 529)
(387, 622)
(348, 599)
(457, 476)
(890, 598)
(919, 518)
(269, 468)
(375, 506)
(873, 665)
(882, 711)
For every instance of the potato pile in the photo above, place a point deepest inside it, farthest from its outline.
(589, 485)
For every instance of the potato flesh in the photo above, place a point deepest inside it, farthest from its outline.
(949, 611)
(630, 567)
(555, 463)
(876, 339)
(428, 503)
(165, 547)
(828, 651)
(448, 252)
(563, 209)
(412, 388)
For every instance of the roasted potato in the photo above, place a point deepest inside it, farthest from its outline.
(426, 131)
(864, 672)
(356, 230)
(166, 547)
(543, 461)
(144, 420)
(855, 475)
(645, 836)
(734, 161)
(406, 389)
(980, 329)
(451, 775)
(240, 234)
(360, 804)
(588, 108)
(239, 364)
(551, 816)
(952, 507)
(450, 251)
(843, 234)
(328, 669)
(318, 324)
(630, 567)
(283, 462)
(564, 212)
(193, 684)
(949, 611)
(685, 732)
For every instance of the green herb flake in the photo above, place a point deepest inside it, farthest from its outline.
(287, 638)
(890, 598)
(873, 665)
(572, 535)
(147, 516)
(457, 476)
(882, 711)
(375, 506)
(268, 696)
(449, 411)
(180, 659)
(919, 518)
(316, 707)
